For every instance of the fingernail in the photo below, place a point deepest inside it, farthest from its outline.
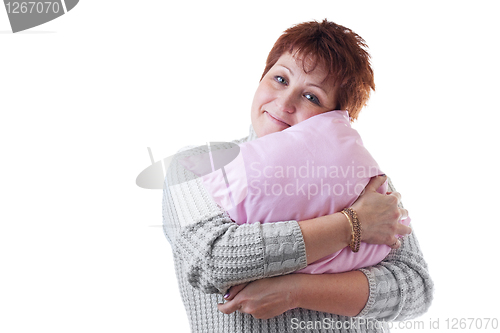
(226, 295)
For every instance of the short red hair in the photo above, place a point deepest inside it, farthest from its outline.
(341, 51)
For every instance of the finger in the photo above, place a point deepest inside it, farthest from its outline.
(228, 307)
(376, 182)
(397, 195)
(234, 290)
(404, 213)
(402, 229)
(396, 244)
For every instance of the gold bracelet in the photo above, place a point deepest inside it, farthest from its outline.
(352, 228)
(356, 229)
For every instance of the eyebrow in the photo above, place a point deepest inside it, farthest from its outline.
(319, 87)
(309, 83)
(287, 68)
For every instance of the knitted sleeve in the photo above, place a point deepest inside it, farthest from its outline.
(400, 286)
(216, 252)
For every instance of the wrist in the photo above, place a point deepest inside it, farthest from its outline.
(346, 229)
(298, 290)
(352, 217)
(325, 235)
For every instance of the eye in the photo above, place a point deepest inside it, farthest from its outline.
(312, 98)
(280, 79)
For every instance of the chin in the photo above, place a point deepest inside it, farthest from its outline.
(263, 127)
(269, 131)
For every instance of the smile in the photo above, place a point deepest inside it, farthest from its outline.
(276, 120)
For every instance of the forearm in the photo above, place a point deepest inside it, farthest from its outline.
(378, 213)
(325, 235)
(344, 294)
(219, 254)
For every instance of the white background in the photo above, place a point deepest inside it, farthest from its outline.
(82, 97)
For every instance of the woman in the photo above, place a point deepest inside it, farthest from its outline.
(312, 68)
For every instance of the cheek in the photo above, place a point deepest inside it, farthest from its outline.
(306, 114)
(309, 114)
(309, 110)
(263, 95)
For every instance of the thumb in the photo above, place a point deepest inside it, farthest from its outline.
(229, 307)
(233, 291)
(376, 182)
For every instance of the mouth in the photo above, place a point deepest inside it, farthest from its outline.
(277, 120)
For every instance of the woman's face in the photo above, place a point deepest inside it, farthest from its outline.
(287, 95)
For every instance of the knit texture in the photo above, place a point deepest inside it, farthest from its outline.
(212, 253)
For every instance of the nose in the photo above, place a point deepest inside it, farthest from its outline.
(286, 101)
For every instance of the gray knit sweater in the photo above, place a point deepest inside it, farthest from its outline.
(212, 253)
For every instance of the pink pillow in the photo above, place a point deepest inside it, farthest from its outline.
(315, 168)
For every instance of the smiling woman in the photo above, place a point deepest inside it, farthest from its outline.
(288, 95)
(314, 67)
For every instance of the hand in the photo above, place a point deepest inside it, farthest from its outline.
(379, 215)
(264, 298)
